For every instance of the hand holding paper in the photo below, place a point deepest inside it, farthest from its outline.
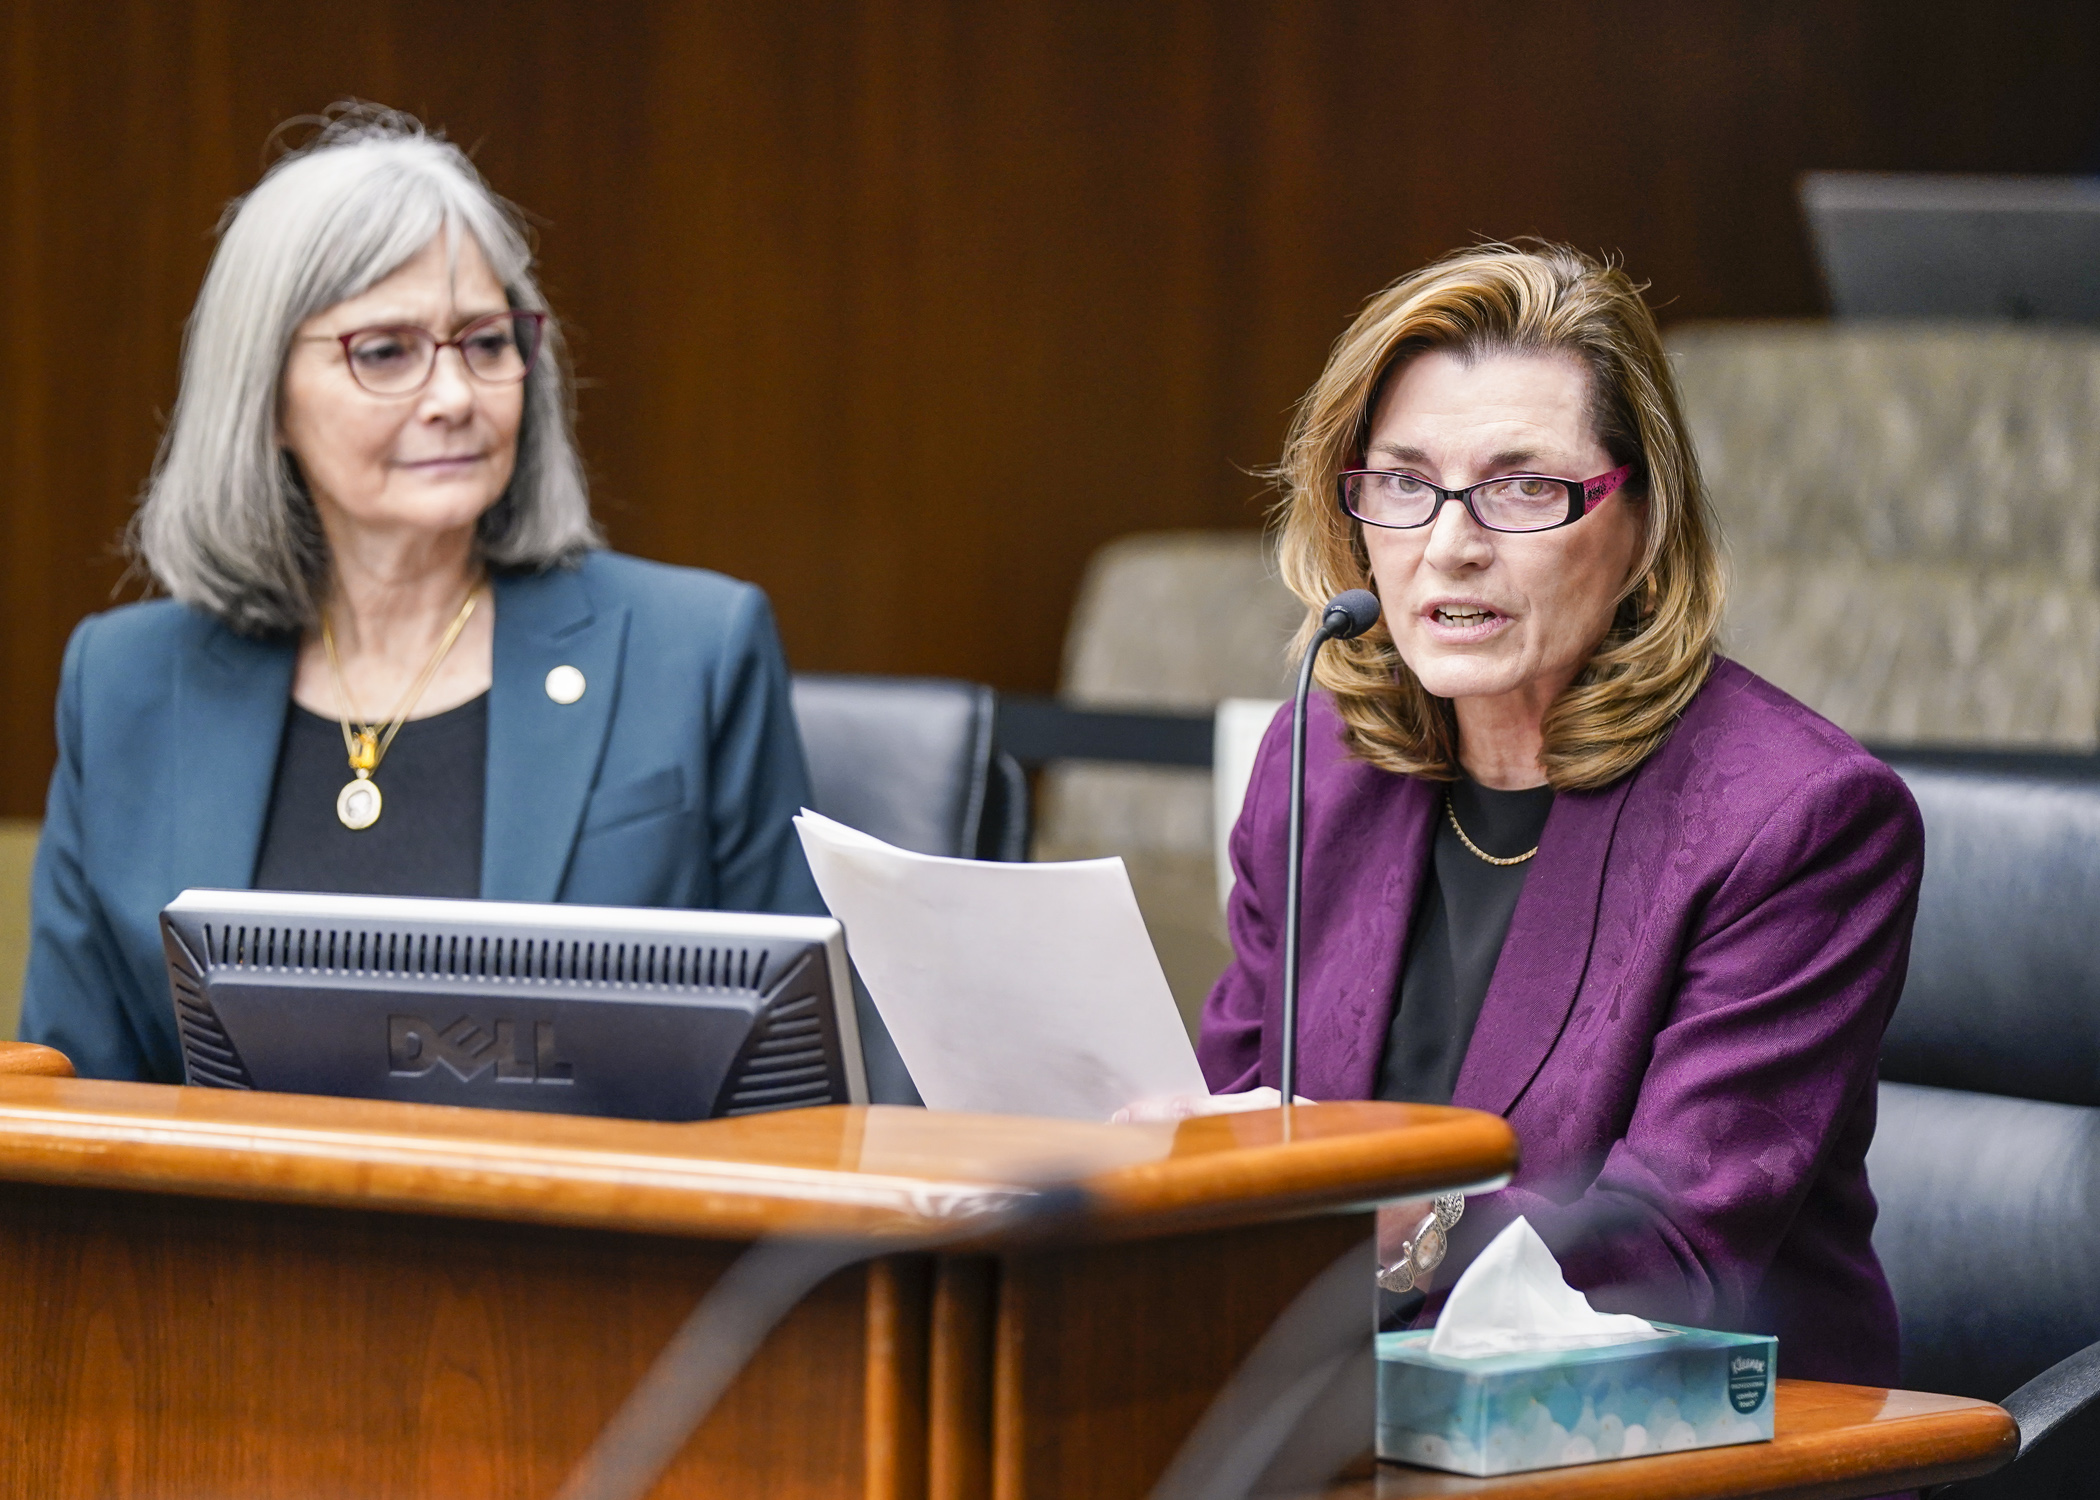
(1008, 988)
(1187, 1106)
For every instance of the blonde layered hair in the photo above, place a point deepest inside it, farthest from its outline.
(1497, 299)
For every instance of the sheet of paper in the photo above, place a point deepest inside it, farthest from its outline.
(1009, 988)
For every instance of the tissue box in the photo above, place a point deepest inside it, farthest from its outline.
(1505, 1413)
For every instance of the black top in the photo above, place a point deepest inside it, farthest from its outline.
(1457, 937)
(427, 841)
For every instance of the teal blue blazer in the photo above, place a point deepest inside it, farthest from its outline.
(670, 782)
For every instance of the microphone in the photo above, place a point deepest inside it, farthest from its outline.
(1348, 615)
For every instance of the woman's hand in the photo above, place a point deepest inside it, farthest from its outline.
(1183, 1106)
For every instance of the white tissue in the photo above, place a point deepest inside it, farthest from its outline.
(1513, 1299)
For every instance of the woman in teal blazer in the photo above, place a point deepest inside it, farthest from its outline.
(368, 498)
(669, 782)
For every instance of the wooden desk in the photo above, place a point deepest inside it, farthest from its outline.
(29, 1058)
(1829, 1442)
(250, 1295)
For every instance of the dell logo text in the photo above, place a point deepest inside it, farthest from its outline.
(468, 1049)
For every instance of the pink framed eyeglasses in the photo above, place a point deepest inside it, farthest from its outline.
(1510, 502)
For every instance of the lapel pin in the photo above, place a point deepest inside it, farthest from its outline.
(565, 684)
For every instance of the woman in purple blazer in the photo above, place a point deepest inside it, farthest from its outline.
(1562, 861)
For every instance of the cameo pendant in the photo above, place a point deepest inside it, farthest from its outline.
(358, 804)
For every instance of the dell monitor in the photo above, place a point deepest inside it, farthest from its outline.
(640, 1013)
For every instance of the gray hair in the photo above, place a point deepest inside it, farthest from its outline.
(226, 523)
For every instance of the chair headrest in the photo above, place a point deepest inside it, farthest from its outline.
(2003, 995)
(903, 758)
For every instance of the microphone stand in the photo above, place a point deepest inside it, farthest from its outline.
(1348, 615)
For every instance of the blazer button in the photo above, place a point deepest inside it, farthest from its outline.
(565, 684)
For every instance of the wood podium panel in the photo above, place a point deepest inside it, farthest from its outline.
(247, 1295)
(1108, 1354)
(182, 1347)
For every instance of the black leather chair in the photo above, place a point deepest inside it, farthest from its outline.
(1986, 1161)
(913, 761)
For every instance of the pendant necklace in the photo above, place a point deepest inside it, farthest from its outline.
(359, 803)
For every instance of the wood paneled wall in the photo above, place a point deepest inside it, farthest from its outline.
(901, 309)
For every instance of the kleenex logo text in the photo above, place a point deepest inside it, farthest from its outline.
(1748, 1382)
(467, 1049)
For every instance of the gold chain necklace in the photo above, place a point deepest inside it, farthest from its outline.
(1451, 812)
(359, 804)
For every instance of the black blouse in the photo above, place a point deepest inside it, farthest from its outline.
(1456, 938)
(427, 841)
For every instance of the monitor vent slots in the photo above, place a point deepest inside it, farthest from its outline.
(527, 959)
(207, 1050)
(786, 1064)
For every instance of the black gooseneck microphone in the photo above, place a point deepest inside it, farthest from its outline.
(1348, 615)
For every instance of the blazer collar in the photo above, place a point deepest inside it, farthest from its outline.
(543, 755)
(1546, 953)
(230, 700)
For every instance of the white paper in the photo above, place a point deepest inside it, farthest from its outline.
(1513, 1299)
(1009, 988)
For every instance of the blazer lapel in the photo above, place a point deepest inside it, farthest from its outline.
(1355, 935)
(230, 701)
(1546, 953)
(543, 754)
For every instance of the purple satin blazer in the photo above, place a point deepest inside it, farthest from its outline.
(1683, 1025)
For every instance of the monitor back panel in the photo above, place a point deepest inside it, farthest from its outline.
(479, 1008)
(1922, 245)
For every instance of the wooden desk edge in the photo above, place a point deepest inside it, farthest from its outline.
(1960, 1439)
(27, 1059)
(1198, 1193)
(1963, 1439)
(54, 1134)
